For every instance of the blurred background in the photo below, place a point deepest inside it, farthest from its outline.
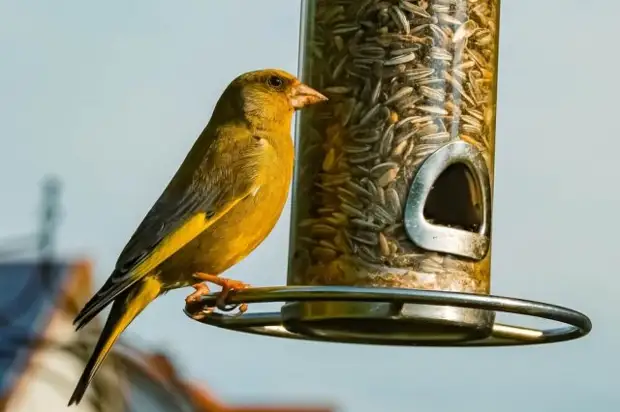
(100, 102)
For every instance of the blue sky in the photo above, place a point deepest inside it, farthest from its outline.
(111, 95)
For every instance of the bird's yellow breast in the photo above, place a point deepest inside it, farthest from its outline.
(233, 236)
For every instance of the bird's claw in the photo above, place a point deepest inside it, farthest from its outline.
(220, 302)
(193, 305)
(201, 314)
(228, 286)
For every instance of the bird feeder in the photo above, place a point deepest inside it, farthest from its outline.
(390, 238)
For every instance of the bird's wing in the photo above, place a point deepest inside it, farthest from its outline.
(208, 184)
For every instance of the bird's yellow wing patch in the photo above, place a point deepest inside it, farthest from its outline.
(172, 243)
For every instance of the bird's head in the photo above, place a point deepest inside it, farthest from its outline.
(271, 95)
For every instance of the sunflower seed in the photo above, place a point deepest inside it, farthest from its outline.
(401, 59)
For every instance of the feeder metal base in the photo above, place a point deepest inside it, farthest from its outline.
(387, 321)
(298, 320)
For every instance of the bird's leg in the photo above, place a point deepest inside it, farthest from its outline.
(201, 289)
(227, 285)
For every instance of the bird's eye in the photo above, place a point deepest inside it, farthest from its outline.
(275, 81)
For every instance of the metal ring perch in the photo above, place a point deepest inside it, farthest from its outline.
(576, 326)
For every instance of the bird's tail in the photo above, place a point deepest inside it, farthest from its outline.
(124, 310)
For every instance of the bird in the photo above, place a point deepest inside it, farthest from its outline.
(222, 202)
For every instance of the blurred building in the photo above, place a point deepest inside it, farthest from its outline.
(42, 357)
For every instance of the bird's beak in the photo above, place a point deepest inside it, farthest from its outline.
(303, 95)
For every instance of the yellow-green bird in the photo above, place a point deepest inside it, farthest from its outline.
(220, 205)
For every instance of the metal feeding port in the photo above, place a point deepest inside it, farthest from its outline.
(390, 238)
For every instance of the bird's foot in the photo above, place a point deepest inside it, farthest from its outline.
(193, 299)
(228, 285)
(201, 290)
(232, 285)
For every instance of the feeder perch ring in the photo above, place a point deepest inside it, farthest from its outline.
(577, 324)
